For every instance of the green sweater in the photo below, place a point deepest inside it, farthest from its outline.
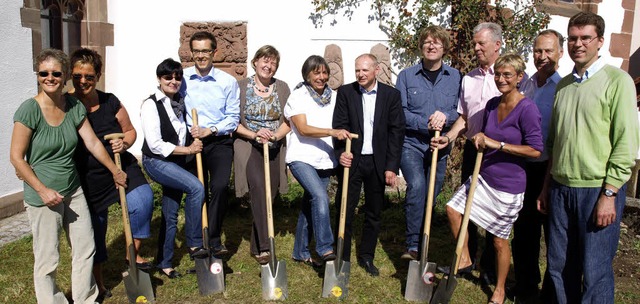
(593, 137)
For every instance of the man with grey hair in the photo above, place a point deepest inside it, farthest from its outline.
(477, 87)
(541, 87)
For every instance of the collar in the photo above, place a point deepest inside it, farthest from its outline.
(595, 67)
(191, 73)
(488, 71)
(555, 78)
(373, 91)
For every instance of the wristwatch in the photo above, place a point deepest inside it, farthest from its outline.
(214, 131)
(609, 192)
(502, 145)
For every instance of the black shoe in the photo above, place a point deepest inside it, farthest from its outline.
(219, 250)
(310, 262)
(144, 266)
(198, 253)
(173, 274)
(329, 256)
(410, 255)
(369, 267)
(461, 271)
(488, 278)
(103, 295)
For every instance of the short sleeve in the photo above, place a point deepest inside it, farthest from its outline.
(28, 114)
(77, 110)
(295, 104)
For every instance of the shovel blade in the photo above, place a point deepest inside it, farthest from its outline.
(336, 279)
(420, 282)
(138, 286)
(274, 284)
(210, 273)
(445, 289)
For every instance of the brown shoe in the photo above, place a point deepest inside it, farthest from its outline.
(263, 257)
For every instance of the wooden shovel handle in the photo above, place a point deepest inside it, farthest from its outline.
(431, 191)
(345, 188)
(467, 209)
(267, 188)
(205, 218)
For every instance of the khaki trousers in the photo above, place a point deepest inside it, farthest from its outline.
(72, 215)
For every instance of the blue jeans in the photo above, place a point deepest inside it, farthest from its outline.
(315, 211)
(140, 205)
(415, 168)
(176, 181)
(580, 254)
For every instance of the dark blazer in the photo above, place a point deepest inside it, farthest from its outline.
(388, 125)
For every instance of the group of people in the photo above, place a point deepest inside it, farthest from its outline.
(557, 151)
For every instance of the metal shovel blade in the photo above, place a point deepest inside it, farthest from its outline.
(139, 289)
(420, 282)
(274, 285)
(336, 279)
(445, 289)
(210, 275)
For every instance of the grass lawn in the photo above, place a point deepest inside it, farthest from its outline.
(243, 283)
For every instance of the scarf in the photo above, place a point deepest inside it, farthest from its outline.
(177, 104)
(321, 100)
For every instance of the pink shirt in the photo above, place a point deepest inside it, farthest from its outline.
(478, 86)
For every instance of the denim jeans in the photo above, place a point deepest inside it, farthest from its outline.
(415, 168)
(314, 219)
(175, 182)
(580, 254)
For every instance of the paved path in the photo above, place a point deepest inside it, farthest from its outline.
(14, 228)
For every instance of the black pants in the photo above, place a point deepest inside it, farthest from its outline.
(363, 173)
(257, 194)
(488, 258)
(217, 157)
(526, 230)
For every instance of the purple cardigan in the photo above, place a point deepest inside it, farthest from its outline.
(501, 170)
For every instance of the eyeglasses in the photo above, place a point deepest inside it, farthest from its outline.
(432, 43)
(506, 76)
(171, 77)
(203, 52)
(56, 74)
(87, 77)
(584, 39)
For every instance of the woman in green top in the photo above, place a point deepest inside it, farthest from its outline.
(44, 139)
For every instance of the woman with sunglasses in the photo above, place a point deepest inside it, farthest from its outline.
(106, 116)
(510, 134)
(46, 131)
(164, 158)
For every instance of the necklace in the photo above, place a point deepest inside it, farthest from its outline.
(255, 86)
(266, 89)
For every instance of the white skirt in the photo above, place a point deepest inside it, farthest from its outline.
(493, 210)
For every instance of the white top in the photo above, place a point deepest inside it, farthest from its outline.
(368, 109)
(317, 152)
(150, 121)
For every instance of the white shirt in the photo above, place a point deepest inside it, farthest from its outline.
(369, 110)
(151, 125)
(317, 152)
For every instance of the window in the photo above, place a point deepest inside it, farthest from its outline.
(61, 24)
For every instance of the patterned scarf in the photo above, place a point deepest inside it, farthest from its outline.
(177, 103)
(321, 100)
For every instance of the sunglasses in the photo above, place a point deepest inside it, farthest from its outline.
(170, 77)
(56, 74)
(86, 77)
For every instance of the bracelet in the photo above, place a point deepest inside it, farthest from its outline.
(448, 139)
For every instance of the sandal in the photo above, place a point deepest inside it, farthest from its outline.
(309, 262)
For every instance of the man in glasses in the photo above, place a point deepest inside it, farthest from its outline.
(541, 87)
(215, 95)
(429, 91)
(592, 141)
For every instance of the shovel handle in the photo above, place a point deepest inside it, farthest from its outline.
(345, 188)
(205, 218)
(267, 188)
(123, 200)
(467, 209)
(429, 206)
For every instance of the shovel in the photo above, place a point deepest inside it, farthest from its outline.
(273, 274)
(448, 285)
(336, 272)
(421, 273)
(209, 270)
(137, 283)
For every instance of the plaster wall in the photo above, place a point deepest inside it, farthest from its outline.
(16, 85)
